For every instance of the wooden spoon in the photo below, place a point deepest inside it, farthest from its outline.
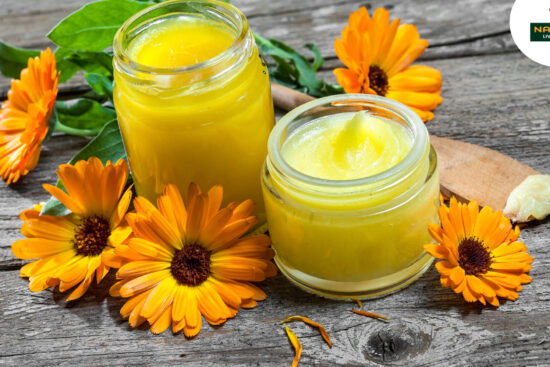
(467, 171)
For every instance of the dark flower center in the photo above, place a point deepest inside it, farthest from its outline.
(473, 257)
(378, 80)
(91, 236)
(191, 265)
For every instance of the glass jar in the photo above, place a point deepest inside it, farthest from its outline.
(207, 122)
(355, 238)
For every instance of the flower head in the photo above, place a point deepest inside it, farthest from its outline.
(186, 261)
(70, 247)
(377, 55)
(25, 115)
(481, 257)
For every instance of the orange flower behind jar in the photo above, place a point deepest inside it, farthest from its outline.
(377, 55)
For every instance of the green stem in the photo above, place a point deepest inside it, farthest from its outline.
(72, 131)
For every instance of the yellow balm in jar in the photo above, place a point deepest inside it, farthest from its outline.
(350, 185)
(193, 99)
(346, 146)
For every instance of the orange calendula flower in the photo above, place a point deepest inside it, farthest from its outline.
(481, 257)
(378, 55)
(24, 117)
(182, 262)
(70, 247)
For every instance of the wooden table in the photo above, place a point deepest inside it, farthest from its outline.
(494, 96)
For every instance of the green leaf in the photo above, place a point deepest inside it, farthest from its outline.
(294, 70)
(71, 61)
(107, 146)
(54, 207)
(52, 123)
(318, 60)
(93, 27)
(64, 64)
(100, 84)
(94, 62)
(13, 59)
(86, 114)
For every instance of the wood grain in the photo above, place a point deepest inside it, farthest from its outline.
(494, 97)
(429, 326)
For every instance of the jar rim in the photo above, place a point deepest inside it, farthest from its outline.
(417, 127)
(231, 12)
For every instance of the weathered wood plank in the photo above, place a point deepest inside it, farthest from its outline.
(429, 326)
(481, 28)
(446, 31)
(499, 101)
(480, 107)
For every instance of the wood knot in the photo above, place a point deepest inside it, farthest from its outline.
(396, 342)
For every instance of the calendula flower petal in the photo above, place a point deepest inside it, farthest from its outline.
(192, 261)
(437, 251)
(482, 261)
(24, 117)
(370, 314)
(348, 79)
(310, 322)
(420, 100)
(143, 283)
(32, 248)
(295, 344)
(82, 236)
(378, 56)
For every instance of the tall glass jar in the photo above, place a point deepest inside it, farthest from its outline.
(355, 238)
(207, 122)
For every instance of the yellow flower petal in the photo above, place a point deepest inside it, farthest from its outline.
(139, 268)
(34, 248)
(437, 251)
(24, 117)
(420, 100)
(161, 295)
(143, 283)
(480, 262)
(150, 249)
(310, 322)
(369, 314)
(295, 344)
(198, 277)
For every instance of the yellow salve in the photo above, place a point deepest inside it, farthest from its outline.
(346, 146)
(194, 105)
(179, 42)
(347, 208)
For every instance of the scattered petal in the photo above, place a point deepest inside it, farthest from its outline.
(370, 314)
(295, 344)
(310, 322)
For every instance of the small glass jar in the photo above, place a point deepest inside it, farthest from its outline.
(206, 123)
(356, 238)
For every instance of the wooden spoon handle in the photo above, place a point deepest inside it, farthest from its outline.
(288, 99)
(467, 171)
